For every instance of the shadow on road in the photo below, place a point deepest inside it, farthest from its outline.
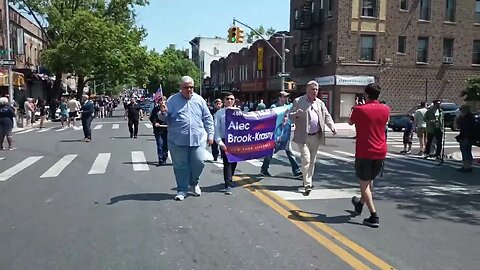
(316, 217)
(72, 141)
(153, 197)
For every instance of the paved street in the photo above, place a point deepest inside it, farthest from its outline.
(67, 204)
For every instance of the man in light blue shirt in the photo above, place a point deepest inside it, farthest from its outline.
(190, 126)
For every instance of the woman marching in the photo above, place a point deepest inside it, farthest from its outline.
(160, 130)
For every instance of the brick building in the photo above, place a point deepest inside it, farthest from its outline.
(251, 73)
(415, 49)
(27, 44)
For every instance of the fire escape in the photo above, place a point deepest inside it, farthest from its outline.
(309, 18)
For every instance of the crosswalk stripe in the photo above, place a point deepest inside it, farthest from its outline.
(139, 162)
(98, 127)
(344, 153)
(100, 164)
(406, 160)
(319, 160)
(19, 167)
(148, 125)
(255, 162)
(61, 129)
(25, 131)
(44, 130)
(415, 146)
(115, 126)
(58, 167)
(2, 158)
(335, 156)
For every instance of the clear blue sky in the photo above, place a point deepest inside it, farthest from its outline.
(174, 21)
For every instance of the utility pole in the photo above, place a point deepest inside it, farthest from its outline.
(282, 56)
(9, 53)
(199, 66)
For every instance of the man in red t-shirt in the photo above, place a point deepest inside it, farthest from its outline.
(370, 120)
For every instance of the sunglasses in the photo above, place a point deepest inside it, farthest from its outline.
(229, 99)
(188, 87)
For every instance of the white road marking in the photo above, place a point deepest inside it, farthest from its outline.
(2, 158)
(319, 160)
(139, 161)
(100, 164)
(255, 162)
(44, 130)
(335, 156)
(318, 194)
(344, 153)
(19, 167)
(115, 126)
(148, 125)
(58, 167)
(25, 131)
(98, 127)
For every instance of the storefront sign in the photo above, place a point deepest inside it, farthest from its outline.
(253, 86)
(354, 80)
(327, 80)
(260, 59)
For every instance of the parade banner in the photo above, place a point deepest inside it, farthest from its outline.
(252, 135)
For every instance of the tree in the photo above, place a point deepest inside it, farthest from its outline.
(168, 68)
(94, 39)
(471, 94)
(252, 36)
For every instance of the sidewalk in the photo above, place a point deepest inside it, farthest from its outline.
(458, 155)
(34, 125)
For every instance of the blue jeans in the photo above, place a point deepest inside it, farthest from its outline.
(162, 145)
(466, 149)
(86, 123)
(188, 163)
(291, 158)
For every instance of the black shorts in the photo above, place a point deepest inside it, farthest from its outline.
(72, 114)
(368, 169)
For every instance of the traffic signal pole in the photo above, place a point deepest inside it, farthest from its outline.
(282, 56)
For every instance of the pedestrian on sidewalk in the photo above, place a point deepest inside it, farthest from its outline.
(408, 136)
(133, 113)
(160, 129)
(370, 148)
(217, 105)
(43, 112)
(435, 128)
(87, 110)
(282, 100)
(465, 121)
(63, 111)
(228, 167)
(6, 123)
(28, 107)
(190, 127)
(420, 126)
(310, 116)
(74, 107)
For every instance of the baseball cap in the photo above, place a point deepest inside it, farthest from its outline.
(284, 93)
(217, 100)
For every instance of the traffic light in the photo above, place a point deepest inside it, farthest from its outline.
(240, 35)
(232, 34)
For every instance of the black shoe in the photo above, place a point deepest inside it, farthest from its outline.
(308, 189)
(372, 221)
(215, 158)
(265, 173)
(135, 137)
(357, 205)
(298, 175)
(131, 135)
(465, 170)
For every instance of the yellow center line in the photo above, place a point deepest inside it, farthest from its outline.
(248, 183)
(327, 243)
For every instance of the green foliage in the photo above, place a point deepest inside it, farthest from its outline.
(260, 30)
(472, 92)
(168, 68)
(95, 39)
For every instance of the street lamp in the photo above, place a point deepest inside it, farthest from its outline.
(199, 66)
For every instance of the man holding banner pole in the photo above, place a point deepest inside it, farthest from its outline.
(310, 116)
(220, 135)
(282, 99)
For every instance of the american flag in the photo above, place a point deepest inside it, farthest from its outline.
(159, 94)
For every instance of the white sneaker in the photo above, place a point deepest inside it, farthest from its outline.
(180, 196)
(197, 191)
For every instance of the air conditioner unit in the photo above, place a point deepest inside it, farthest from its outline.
(447, 60)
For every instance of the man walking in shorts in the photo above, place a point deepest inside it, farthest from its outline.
(370, 149)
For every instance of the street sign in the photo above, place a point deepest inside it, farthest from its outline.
(285, 74)
(7, 62)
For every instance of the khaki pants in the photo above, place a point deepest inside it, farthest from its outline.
(308, 156)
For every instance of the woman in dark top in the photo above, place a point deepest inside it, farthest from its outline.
(465, 122)
(6, 122)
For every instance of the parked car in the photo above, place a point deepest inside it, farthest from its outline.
(450, 112)
(398, 121)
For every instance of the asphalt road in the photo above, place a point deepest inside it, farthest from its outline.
(67, 204)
